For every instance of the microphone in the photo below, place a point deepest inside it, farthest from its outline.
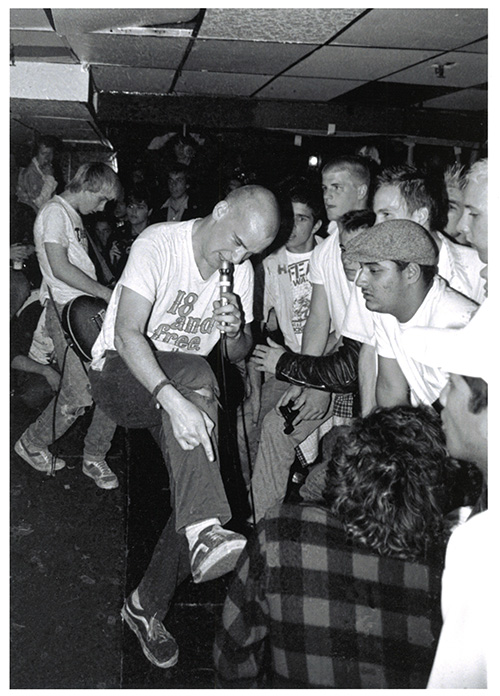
(226, 281)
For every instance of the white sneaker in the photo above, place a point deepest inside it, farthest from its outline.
(215, 553)
(101, 473)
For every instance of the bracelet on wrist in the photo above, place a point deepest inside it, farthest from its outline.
(159, 387)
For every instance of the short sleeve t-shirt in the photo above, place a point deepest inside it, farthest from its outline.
(59, 223)
(288, 290)
(162, 269)
(442, 308)
(326, 269)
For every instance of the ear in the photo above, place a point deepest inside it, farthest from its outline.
(362, 191)
(316, 227)
(412, 272)
(421, 215)
(220, 210)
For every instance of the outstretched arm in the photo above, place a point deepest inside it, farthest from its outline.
(317, 327)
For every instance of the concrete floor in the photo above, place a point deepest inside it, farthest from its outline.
(76, 553)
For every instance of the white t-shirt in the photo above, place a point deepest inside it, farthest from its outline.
(57, 222)
(457, 264)
(442, 308)
(326, 269)
(466, 604)
(287, 289)
(162, 268)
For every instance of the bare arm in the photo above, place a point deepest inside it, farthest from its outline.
(190, 424)
(316, 329)
(70, 274)
(392, 387)
(367, 378)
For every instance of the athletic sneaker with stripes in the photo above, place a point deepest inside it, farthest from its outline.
(158, 645)
(215, 553)
(40, 459)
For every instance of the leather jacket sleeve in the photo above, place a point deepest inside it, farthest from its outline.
(336, 372)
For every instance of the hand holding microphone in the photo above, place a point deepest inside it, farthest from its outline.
(226, 311)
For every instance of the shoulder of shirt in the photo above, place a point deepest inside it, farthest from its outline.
(324, 246)
(453, 297)
(165, 230)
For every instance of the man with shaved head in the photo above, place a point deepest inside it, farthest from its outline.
(149, 371)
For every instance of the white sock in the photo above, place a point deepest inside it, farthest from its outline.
(192, 531)
(135, 599)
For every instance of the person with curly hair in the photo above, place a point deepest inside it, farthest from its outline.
(380, 486)
(343, 592)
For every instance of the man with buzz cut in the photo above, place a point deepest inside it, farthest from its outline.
(149, 371)
(401, 289)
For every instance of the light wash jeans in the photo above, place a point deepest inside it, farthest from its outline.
(249, 433)
(276, 455)
(74, 397)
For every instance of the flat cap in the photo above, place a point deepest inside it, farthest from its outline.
(394, 240)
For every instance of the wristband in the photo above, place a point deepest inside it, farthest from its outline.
(159, 387)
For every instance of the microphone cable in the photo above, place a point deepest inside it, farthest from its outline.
(226, 285)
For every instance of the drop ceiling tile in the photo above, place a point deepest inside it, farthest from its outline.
(40, 45)
(476, 47)
(49, 109)
(302, 88)
(294, 25)
(229, 84)
(465, 70)
(352, 62)
(87, 20)
(463, 100)
(248, 57)
(440, 29)
(136, 51)
(29, 19)
(112, 78)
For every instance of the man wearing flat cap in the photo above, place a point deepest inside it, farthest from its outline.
(399, 283)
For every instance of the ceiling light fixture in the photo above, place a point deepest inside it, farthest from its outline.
(439, 69)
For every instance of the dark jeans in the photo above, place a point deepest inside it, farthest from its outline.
(197, 491)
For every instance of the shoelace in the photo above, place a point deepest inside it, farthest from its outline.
(157, 631)
(213, 535)
(102, 466)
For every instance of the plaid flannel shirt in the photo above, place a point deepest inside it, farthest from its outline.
(309, 609)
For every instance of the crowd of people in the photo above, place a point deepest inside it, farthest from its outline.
(355, 316)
